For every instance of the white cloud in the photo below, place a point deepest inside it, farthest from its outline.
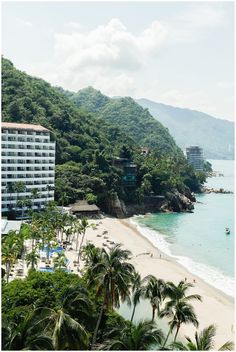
(24, 22)
(116, 61)
(110, 45)
(194, 100)
(192, 23)
(107, 57)
(225, 84)
(203, 15)
(74, 25)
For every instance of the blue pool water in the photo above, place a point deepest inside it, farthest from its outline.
(50, 270)
(198, 240)
(46, 270)
(53, 250)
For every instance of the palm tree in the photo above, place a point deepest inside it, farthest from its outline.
(12, 247)
(19, 187)
(84, 225)
(59, 261)
(155, 292)
(63, 199)
(112, 277)
(10, 190)
(134, 338)
(77, 229)
(66, 333)
(137, 292)
(78, 305)
(68, 233)
(23, 203)
(34, 236)
(32, 259)
(8, 258)
(34, 194)
(91, 255)
(23, 337)
(178, 307)
(49, 189)
(203, 342)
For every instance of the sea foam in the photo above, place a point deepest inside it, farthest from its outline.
(209, 274)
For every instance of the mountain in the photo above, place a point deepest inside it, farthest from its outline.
(91, 131)
(129, 116)
(84, 146)
(190, 127)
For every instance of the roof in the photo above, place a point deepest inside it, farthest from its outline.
(8, 225)
(23, 126)
(82, 205)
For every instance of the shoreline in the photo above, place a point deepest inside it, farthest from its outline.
(165, 256)
(217, 308)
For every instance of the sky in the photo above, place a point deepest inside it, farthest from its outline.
(177, 53)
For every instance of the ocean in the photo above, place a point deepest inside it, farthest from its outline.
(198, 240)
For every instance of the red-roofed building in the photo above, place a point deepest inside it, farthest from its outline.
(28, 155)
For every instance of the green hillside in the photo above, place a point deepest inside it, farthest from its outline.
(86, 143)
(83, 148)
(129, 116)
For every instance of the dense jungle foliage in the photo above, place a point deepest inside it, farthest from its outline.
(60, 310)
(86, 142)
(132, 119)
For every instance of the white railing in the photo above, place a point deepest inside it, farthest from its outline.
(20, 172)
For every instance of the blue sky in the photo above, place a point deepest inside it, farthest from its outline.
(178, 53)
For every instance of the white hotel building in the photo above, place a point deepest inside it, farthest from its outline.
(28, 155)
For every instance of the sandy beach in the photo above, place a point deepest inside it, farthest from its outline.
(216, 308)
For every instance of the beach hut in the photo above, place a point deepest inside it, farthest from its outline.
(82, 209)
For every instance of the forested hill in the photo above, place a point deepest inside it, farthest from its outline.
(84, 146)
(190, 127)
(87, 142)
(129, 116)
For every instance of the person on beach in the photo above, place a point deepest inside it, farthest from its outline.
(160, 256)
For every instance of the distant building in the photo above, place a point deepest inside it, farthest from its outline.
(195, 157)
(129, 169)
(28, 155)
(144, 151)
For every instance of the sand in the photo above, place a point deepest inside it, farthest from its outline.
(216, 308)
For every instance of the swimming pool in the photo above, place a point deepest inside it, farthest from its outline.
(53, 250)
(51, 270)
(46, 270)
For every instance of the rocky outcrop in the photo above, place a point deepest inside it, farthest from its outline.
(118, 208)
(173, 202)
(177, 202)
(213, 190)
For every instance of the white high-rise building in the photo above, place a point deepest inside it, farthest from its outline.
(28, 155)
(195, 157)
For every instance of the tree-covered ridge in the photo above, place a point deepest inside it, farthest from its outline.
(129, 116)
(32, 100)
(87, 142)
(84, 146)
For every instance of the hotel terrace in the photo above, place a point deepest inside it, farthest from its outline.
(28, 155)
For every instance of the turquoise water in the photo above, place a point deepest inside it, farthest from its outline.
(198, 240)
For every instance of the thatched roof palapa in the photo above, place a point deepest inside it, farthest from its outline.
(83, 206)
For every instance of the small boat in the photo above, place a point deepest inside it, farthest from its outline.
(227, 231)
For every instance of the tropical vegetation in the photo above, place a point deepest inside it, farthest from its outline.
(61, 310)
(90, 130)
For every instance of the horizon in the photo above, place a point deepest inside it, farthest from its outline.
(166, 56)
